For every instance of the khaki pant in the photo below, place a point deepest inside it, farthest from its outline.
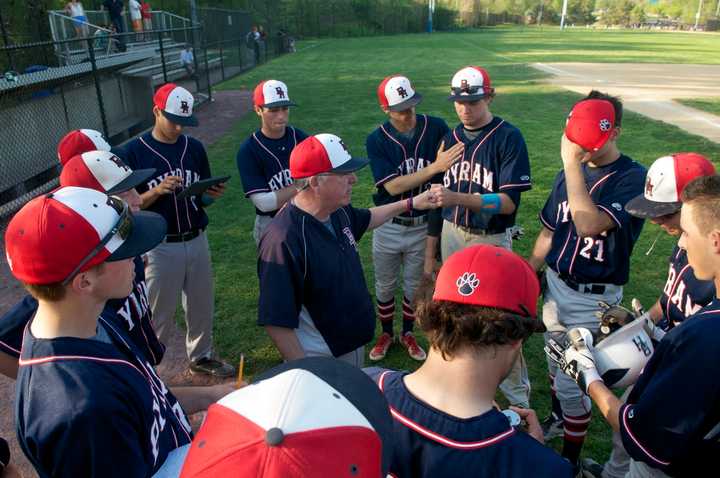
(516, 386)
(395, 247)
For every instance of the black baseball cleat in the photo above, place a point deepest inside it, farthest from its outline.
(552, 427)
(589, 468)
(212, 367)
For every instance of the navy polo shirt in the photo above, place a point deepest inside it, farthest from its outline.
(304, 266)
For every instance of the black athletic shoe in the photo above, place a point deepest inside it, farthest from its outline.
(589, 468)
(210, 366)
(552, 427)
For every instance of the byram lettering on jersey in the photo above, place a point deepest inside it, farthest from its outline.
(677, 294)
(461, 172)
(411, 165)
(189, 177)
(280, 180)
(135, 306)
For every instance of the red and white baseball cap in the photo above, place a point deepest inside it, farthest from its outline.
(72, 229)
(664, 183)
(176, 104)
(395, 93)
(316, 417)
(590, 123)
(102, 171)
(470, 84)
(489, 276)
(271, 94)
(322, 153)
(80, 141)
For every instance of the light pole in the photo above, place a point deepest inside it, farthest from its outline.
(564, 13)
(699, 12)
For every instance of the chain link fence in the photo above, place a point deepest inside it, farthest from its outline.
(50, 88)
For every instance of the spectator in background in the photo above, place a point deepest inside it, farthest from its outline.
(187, 60)
(146, 12)
(75, 10)
(253, 42)
(135, 17)
(115, 9)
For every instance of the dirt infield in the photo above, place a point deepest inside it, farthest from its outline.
(648, 89)
(216, 119)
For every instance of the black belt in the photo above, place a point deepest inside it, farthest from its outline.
(597, 289)
(410, 221)
(184, 237)
(480, 232)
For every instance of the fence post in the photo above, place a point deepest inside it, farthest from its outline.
(162, 57)
(98, 91)
(222, 61)
(240, 55)
(207, 68)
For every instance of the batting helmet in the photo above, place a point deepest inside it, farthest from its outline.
(621, 356)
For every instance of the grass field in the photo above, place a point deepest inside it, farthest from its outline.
(334, 83)
(711, 105)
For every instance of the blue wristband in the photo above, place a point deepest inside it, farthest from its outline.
(491, 203)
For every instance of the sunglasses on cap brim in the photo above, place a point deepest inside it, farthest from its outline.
(470, 90)
(123, 228)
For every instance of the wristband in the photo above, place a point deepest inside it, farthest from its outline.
(491, 203)
(409, 204)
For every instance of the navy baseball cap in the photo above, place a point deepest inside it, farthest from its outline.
(102, 171)
(323, 153)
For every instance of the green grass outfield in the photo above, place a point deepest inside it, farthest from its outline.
(711, 105)
(334, 82)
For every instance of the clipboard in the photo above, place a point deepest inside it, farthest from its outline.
(199, 187)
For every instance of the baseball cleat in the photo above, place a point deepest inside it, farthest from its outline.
(589, 468)
(552, 427)
(212, 367)
(414, 350)
(379, 351)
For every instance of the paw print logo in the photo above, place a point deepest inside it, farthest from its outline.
(605, 125)
(467, 283)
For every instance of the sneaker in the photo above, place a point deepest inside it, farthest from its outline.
(589, 468)
(414, 350)
(212, 367)
(552, 427)
(379, 351)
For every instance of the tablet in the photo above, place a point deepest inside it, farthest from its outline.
(199, 187)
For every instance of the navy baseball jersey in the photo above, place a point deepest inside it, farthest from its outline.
(603, 258)
(94, 407)
(680, 437)
(302, 263)
(430, 443)
(264, 163)
(392, 154)
(131, 314)
(683, 294)
(185, 158)
(496, 161)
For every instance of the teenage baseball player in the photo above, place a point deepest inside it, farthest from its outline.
(402, 158)
(104, 172)
(682, 440)
(480, 193)
(89, 403)
(263, 158)
(483, 308)
(683, 294)
(586, 240)
(181, 263)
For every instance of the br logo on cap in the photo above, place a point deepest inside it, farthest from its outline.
(118, 162)
(605, 125)
(464, 85)
(402, 92)
(467, 283)
(648, 187)
(279, 91)
(184, 107)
